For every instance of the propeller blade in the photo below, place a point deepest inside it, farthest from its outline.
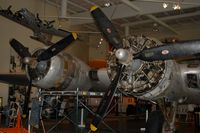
(106, 100)
(57, 47)
(27, 97)
(170, 51)
(19, 48)
(106, 27)
(35, 112)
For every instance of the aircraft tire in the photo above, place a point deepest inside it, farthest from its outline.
(155, 122)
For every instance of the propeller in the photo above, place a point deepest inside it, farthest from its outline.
(164, 52)
(27, 97)
(105, 25)
(113, 37)
(106, 100)
(53, 50)
(20, 49)
(57, 47)
(170, 51)
(48, 53)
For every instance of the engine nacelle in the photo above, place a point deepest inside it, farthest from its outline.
(62, 71)
(171, 79)
(180, 83)
(138, 77)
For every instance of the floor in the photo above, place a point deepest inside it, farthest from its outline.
(118, 125)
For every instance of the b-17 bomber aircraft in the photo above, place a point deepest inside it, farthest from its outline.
(138, 66)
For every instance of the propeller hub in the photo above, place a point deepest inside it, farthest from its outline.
(32, 62)
(123, 56)
(27, 60)
(37, 70)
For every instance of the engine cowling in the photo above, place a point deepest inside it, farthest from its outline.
(171, 79)
(61, 71)
(139, 76)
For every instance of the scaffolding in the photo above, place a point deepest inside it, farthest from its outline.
(79, 125)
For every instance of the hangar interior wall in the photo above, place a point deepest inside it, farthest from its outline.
(97, 50)
(11, 30)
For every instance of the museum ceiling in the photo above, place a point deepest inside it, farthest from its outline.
(136, 16)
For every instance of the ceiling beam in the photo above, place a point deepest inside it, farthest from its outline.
(150, 16)
(134, 7)
(195, 2)
(90, 27)
(163, 19)
(76, 5)
(69, 2)
(90, 2)
(57, 5)
(122, 11)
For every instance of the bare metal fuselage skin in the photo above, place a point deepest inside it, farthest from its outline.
(66, 72)
(180, 83)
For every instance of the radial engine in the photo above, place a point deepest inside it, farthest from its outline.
(172, 79)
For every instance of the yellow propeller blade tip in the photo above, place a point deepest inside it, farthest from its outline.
(93, 8)
(74, 35)
(93, 128)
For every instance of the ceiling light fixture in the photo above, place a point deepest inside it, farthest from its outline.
(107, 4)
(176, 7)
(165, 5)
(155, 27)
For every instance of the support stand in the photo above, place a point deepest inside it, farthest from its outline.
(78, 103)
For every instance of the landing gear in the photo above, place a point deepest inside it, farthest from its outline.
(169, 112)
(162, 121)
(155, 122)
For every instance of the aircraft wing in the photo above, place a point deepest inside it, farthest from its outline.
(19, 79)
